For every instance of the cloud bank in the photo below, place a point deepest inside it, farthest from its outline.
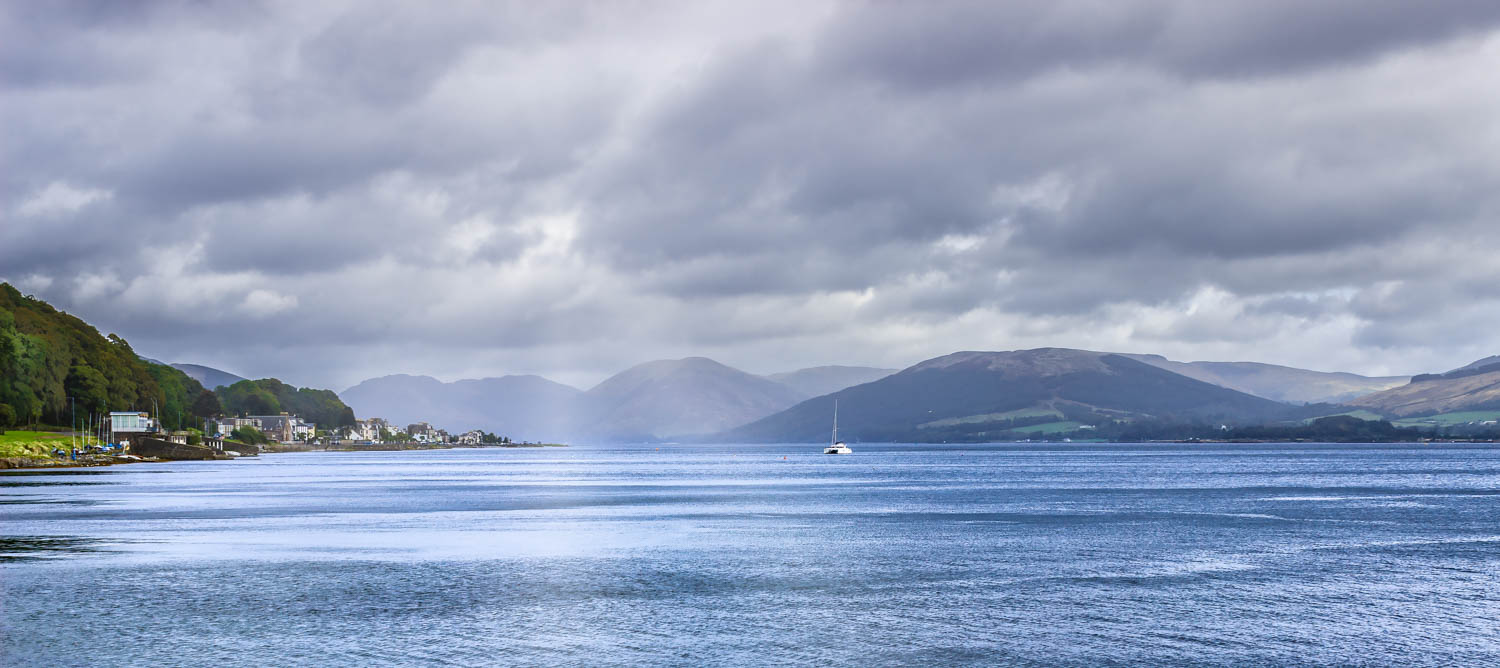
(330, 191)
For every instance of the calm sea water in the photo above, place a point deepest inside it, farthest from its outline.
(735, 555)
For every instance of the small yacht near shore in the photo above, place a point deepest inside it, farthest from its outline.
(837, 447)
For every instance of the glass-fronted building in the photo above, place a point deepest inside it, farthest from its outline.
(131, 422)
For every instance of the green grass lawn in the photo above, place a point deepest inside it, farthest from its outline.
(32, 443)
(992, 417)
(19, 436)
(22, 443)
(1448, 419)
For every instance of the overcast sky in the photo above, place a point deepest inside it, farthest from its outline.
(325, 191)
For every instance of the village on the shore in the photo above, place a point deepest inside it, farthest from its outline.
(287, 429)
(130, 436)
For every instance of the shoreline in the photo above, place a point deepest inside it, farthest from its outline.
(8, 464)
(84, 461)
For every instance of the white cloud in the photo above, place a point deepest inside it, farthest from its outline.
(59, 198)
(265, 303)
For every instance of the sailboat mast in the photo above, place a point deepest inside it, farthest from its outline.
(835, 421)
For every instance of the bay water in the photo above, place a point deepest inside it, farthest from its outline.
(1013, 554)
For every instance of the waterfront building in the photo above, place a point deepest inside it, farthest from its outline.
(284, 428)
(131, 422)
(125, 425)
(423, 432)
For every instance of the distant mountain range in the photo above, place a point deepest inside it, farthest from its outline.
(977, 395)
(820, 380)
(1474, 387)
(664, 399)
(1280, 383)
(962, 396)
(209, 377)
(522, 407)
(678, 398)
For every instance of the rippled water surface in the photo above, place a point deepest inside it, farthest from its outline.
(734, 555)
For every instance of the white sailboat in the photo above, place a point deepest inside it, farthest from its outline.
(837, 447)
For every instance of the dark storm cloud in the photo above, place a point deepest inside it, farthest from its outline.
(964, 43)
(469, 188)
(85, 42)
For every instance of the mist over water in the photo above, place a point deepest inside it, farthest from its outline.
(755, 554)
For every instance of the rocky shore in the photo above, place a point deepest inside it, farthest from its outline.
(93, 459)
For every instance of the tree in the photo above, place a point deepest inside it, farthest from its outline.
(175, 394)
(249, 435)
(7, 416)
(248, 397)
(206, 405)
(88, 387)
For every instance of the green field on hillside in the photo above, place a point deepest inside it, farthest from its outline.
(1361, 414)
(1448, 419)
(1050, 427)
(992, 417)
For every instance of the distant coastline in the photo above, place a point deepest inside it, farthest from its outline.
(26, 460)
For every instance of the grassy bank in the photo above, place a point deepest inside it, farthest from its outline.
(32, 443)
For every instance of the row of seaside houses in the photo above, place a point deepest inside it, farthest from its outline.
(288, 428)
(372, 430)
(285, 428)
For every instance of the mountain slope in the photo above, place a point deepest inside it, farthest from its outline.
(967, 395)
(668, 398)
(522, 407)
(820, 380)
(1468, 388)
(1281, 383)
(208, 376)
(1488, 361)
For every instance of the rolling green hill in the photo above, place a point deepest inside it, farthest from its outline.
(269, 396)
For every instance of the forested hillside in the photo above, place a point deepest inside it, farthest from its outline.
(270, 396)
(47, 356)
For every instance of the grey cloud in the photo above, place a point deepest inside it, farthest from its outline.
(586, 185)
(1299, 307)
(81, 42)
(386, 55)
(968, 43)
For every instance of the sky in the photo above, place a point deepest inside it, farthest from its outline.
(325, 192)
